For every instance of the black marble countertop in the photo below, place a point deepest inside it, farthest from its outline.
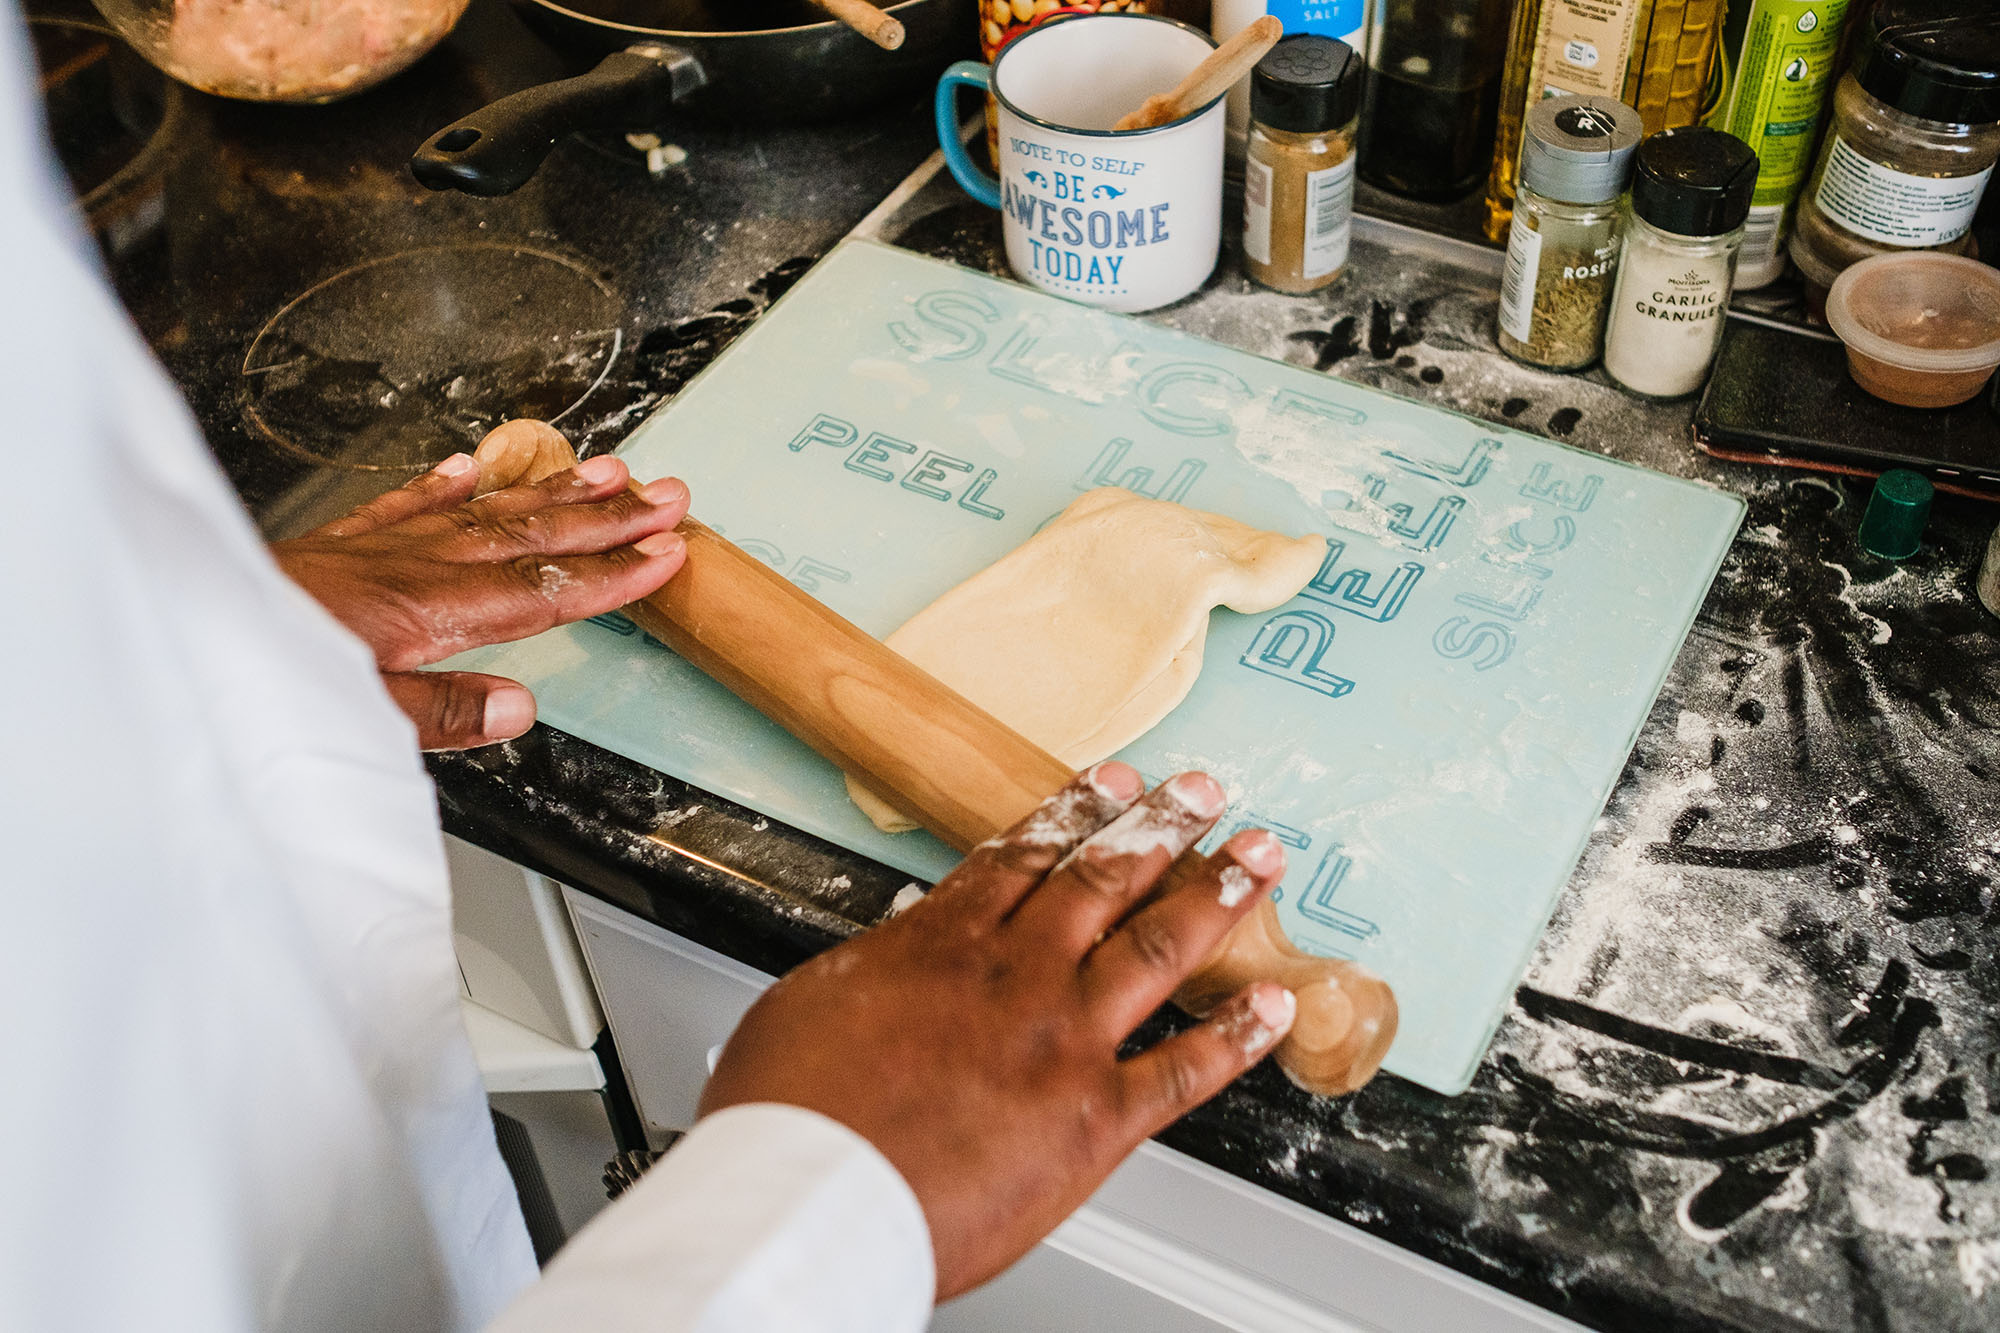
(1752, 1080)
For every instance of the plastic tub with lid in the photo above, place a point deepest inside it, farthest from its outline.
(1922, 328)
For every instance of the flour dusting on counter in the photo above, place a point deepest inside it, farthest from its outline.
(1753, 1080)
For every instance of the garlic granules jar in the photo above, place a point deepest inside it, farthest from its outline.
(1691, 191)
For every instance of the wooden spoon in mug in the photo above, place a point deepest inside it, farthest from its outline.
(880, 28)
(1210, 79)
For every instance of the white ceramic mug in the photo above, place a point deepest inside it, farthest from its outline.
(1127, 220)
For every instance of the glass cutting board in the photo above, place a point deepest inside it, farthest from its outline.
(1433, 726)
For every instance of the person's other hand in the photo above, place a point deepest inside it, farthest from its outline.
(426, 571)
(974, 1039)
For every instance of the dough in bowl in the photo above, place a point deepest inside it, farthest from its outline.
(1091, 631)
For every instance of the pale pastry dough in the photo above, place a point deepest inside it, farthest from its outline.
(1089, 633)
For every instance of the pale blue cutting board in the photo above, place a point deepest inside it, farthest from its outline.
(1433, 726)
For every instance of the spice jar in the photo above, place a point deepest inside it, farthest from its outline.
(1298, 175)
(1562, 247)
(1343, 20)
(1989, 575)
(1691, 191)
(1916, 129)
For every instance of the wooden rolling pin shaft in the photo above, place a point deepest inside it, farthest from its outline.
(934, 755)
(942, 760)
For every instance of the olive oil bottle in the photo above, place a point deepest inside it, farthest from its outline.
(1654, 55)
(1777, 62)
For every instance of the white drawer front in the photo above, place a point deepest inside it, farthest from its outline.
(516, 953)
(669, 1002)
(1167, 1245)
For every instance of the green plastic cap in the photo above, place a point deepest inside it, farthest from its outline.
(1893, 527)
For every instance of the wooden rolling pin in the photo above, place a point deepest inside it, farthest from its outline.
(942, 760)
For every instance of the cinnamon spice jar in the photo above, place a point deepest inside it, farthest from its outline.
(1298, 181)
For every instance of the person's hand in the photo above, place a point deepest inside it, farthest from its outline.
(974, 1038)
(426, 571)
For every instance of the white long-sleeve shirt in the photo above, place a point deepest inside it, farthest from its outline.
(237, 1093)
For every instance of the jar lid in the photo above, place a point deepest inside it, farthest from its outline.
(1934, 59)
(1694, 181)
(1898, 508)
(1579, 149)
(1306, 84)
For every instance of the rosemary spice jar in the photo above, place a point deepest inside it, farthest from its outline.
(1298, 176)
(1562, 246)
(1691, 191)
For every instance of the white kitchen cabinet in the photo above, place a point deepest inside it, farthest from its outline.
(675, 1003)
(514, 1058)
(1167, 1245)
(532, 1018)
(516, 955)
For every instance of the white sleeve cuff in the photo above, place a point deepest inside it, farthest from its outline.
(763, 1217)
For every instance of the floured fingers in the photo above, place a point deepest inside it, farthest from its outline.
(1139, 964)
(998, 873)
(1093, 887)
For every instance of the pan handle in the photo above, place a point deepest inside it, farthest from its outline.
(497, 148)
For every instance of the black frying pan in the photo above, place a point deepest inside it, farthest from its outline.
(757, 61)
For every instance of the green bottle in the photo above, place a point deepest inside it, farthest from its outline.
(1776, 71)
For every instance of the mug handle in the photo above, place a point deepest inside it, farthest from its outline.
(976, 182)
